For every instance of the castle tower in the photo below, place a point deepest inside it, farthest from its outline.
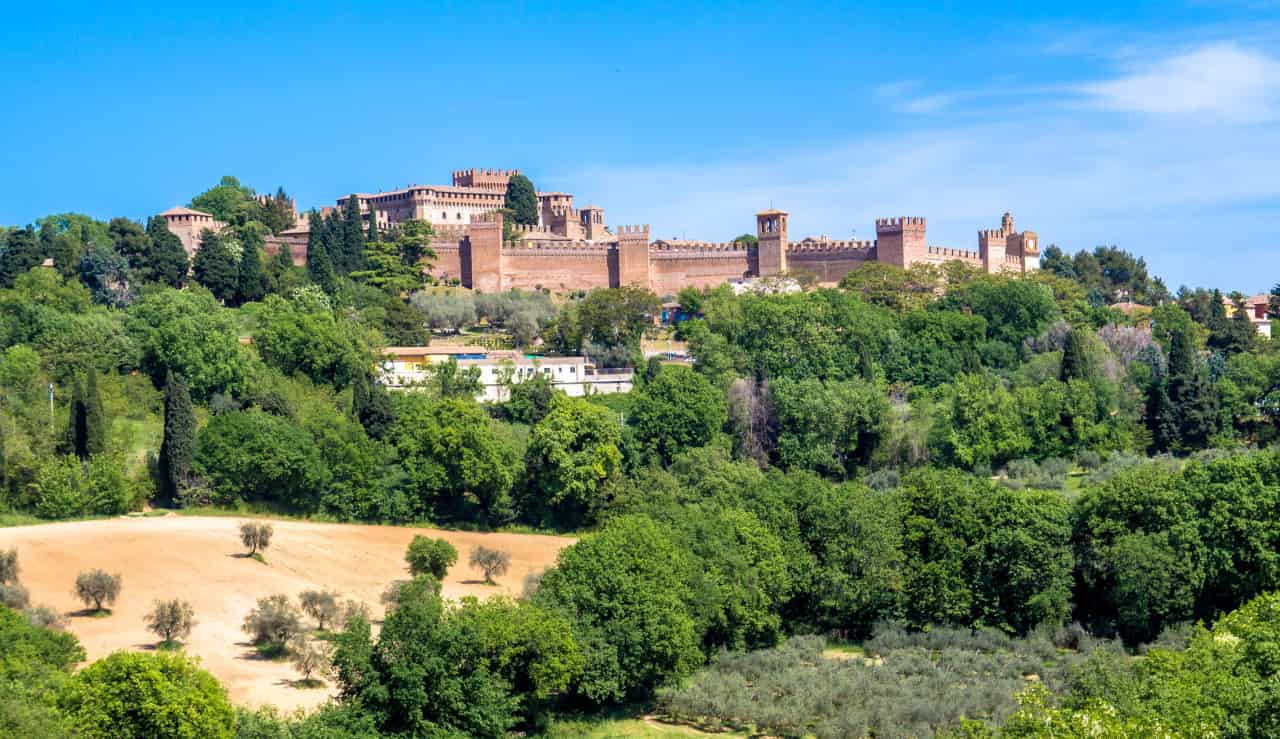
(633, 256)
(592, 217)
(771, 230)
(482, 253)
(901, 241)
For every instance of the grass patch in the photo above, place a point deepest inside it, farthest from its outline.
(625, 728)
(307, 684)
(257, 557)
(272, 651)
(19, 519)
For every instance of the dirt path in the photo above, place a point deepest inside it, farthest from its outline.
(195, 559)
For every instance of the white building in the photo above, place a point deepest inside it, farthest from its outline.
(404, 367)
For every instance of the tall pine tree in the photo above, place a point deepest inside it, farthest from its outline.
(251, 283)
(95, 420)
(178, 446)
(522, 200)
(373, 225)
(319, 262)
(351, 237)
(77, 439)
(371, 405)
(1077, 364)
(215, 266)
(167, 261)
(1190, 393)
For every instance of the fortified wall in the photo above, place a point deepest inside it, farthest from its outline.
(543, 258)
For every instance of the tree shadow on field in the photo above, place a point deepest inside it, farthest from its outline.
(478, 582)
(301, 684)
(89, 613)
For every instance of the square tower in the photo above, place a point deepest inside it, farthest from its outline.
(901, 241)
(771, 231)
(482, 255)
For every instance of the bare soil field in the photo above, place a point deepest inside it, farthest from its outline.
(200, 560)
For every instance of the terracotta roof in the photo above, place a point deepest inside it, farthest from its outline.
(772, 212)
(178, 210)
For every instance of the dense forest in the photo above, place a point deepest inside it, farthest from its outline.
(944, 473)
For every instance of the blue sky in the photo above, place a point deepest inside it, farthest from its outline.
(1152, 126)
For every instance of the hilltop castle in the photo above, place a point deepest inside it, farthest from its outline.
(573, 248)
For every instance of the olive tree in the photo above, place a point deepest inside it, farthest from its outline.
(491, 562)
(272, 624)
(256, 536)
(9, 567)
(97, 587)
(309, 657)
(171, 620)
(322, 605)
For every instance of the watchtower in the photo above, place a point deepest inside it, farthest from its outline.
(901, 241)
(482, 262)
(633, 256)
(771, 231)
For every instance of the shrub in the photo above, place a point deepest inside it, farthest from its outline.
(532, 582)
(885, 479)
(320, 605)
(1088, 459)
(396, 591)
(256, 536)
(14, 596)
(309, 657)
(97, 587)
(130, 694)
(45, 617)
(272, 624)
(491, 562)
(171, 620)
(428, 556)
(9, 567)
(350, 611)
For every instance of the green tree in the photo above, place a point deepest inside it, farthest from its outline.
(350, 255)
(676, 410)
(186, 331)
(77, 437)
(254, 456)
(371, 405)
(300, 338)
(453, 459)
(1191, 393)
(177, 448)
(320, 263)
(251, 283)
(522, 200)
(574, 462)
(830, 427)
(427, 556)
(229, 202)
(626, 589)
(1078, 362)
(96, 425)
(164, 695)
(216, 264)
(167, 262)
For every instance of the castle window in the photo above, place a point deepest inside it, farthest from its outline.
(444, 216)
(459, 216)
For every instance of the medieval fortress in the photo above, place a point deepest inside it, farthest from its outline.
(573, 249)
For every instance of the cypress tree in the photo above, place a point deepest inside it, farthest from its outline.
(373, 225)
(178, 446)
(319, 263)
(351, 235)
(251, 282)
(1190, 393)
(167, 261)
(215, 266)
(1162, 418)
(1076, 362)
(522, 200)
(371, 405)
(77, 439)
(866, 364)
(95, 420)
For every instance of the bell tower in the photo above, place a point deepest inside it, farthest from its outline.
(771, 230)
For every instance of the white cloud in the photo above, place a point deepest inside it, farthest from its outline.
(1223, 80)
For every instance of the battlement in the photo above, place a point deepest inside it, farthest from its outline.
(897, 224)
(801, 248)
(947, 252)
(486, 218)
(633, 233)
(574, 248)
(992, 233)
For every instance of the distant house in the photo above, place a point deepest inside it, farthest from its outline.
(1257, 307)
(403, 367)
